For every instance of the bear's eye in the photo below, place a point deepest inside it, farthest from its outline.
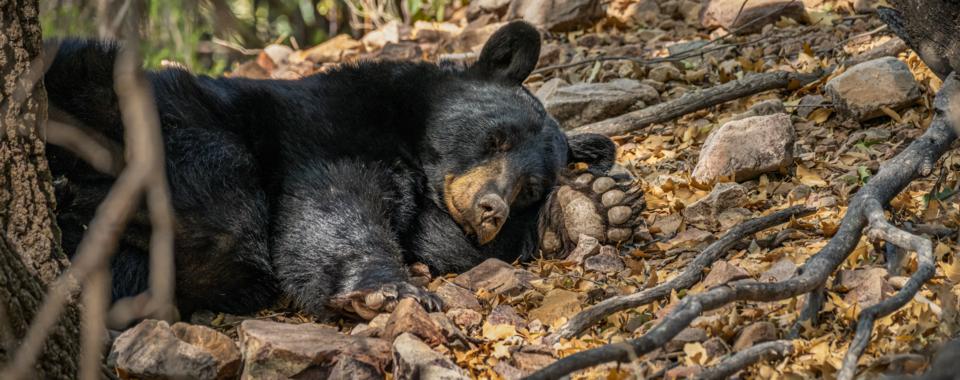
(531, 191)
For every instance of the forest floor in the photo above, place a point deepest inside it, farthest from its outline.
(504, 333)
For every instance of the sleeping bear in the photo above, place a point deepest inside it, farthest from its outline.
(324, 189)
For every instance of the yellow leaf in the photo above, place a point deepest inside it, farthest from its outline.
(497, 332)
(696, 354)
(820, 115)
(809, 177)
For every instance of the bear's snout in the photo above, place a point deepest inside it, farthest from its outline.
(491, 211)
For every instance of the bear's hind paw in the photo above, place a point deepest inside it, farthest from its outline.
(369, 303)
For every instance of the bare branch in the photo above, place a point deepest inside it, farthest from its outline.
(881, 229)
(689, 277)
(746, 358)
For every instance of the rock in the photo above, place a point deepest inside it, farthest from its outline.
(733, 217)
(457, 297)
(350, 368)
(414, 360)
(862, 90)
(479, 7)
(505, 315)
(410, 317)
(586, 246)
(764, 108)
(865, 287)
(555, 15)
(664, 73)
(274, 350)
(630, 13)
(528, 362)
(401, 51)
(557, 304)
(755, 15)
(667, 225)
(779, 271)
(224, 350)
(746, 148)
(335, 49)
(495, 276)
(467, 319)
(608, 261)
(724, 196)
(687, 335)
(723, 272)
(151, 350)
(757, 332)
(810, 103)
(584, 103)
(715, 347)
(507, 371)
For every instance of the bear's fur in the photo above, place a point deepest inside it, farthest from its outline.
(324, 188)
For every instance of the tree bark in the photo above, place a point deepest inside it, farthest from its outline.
(30, 252)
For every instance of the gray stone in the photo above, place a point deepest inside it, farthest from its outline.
(687, 335)
(723, 272)
(151, 350)
(584, 103)
(757, 332)
(755, 15)
(496, 276)
(746, 148)
(862, 90)
(457, 297)
(706, 211)
(605, 262)
(274, 350)
(555, 15)
(414, 360)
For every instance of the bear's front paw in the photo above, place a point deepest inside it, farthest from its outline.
(599, 206)
(369, 303)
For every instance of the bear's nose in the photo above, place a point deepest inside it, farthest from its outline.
(493, 212)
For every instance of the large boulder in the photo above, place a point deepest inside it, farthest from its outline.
(583, 103)
(746, 148)
(274, 350)
(864, 90)
(555, 15)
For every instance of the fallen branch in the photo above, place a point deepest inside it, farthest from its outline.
(746, 358)
(696, 101)
(881, 229)
(915, 161)
(690, 276)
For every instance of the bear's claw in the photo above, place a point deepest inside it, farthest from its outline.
(368, 304)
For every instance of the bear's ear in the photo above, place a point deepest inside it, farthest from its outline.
(509, 55)
(595, 150)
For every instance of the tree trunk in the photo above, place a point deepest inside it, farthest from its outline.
(30, 253)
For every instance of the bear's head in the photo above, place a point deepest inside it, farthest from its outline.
(496, 151)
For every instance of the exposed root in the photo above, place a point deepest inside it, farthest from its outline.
(746, 358)
(690, 276)
(892, 178)
(881, 229)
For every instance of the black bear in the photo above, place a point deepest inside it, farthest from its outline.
(324, 188)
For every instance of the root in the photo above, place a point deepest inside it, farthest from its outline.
(690, 276)
(746, 358)
(881, 229)
(892, 178)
